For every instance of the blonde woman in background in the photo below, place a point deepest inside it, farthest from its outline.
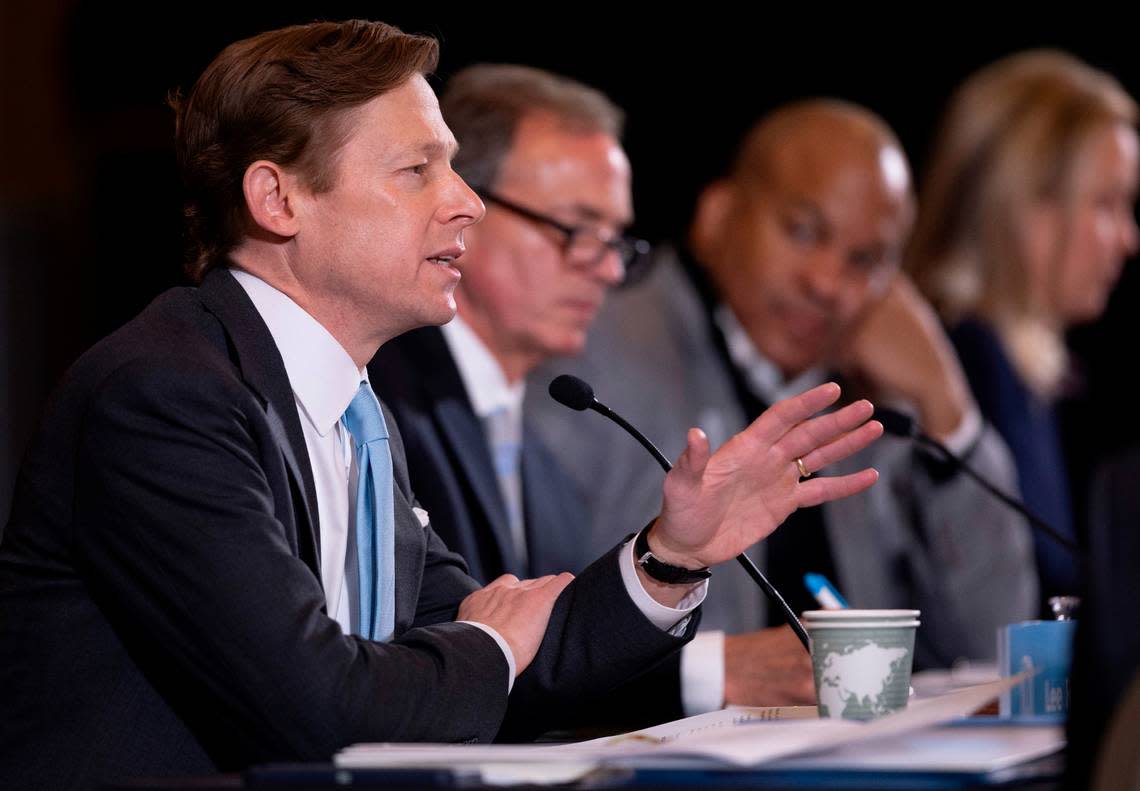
(1026, 218)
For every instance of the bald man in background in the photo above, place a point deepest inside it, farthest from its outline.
(789, 277)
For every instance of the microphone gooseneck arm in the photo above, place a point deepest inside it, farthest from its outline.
(602, 409)
(576, 394)
(903, 425)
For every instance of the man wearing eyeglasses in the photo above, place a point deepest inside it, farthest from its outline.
(544, 154)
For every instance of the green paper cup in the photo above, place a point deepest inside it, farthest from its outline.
(862, 660)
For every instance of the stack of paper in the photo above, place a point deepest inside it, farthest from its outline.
(753, 738)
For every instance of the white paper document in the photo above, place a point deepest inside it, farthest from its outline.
(947, 748)
(728, 738)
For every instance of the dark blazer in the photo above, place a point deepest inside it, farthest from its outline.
(1030, 427)
(449, 461)
(161, 608)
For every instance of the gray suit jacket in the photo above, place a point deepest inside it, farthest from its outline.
(915, 539)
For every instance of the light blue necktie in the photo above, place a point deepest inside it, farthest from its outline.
(504, 433)
(375, 517)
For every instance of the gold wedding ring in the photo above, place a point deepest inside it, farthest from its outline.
(803, 470)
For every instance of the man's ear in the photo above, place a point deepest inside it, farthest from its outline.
(271, 198)
(710, 216)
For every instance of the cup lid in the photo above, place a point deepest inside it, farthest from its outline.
(817, 626)
(859, 615)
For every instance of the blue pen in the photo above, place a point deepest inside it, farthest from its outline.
(825, 593)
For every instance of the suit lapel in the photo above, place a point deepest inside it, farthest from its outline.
(411, 546)
(462, 431)
(553, 513)
(261, 366)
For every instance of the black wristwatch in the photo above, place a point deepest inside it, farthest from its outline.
(663, 572)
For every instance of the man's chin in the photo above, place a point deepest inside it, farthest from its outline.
(793, 360)
(436, 316)
(569, 345)
(446, 311)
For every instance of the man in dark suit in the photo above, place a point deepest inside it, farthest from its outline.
(545, 154)
(214, 556)
(449, 456)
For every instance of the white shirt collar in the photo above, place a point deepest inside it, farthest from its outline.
(482, 376)
(322, 374)
(764, 376)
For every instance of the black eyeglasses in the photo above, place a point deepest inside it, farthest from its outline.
(583, 245)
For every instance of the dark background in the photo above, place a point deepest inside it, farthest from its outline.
(90, 226)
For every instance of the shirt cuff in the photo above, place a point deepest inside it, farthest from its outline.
(702, 674)
(667, 619)
(962, 439)
(508, 654)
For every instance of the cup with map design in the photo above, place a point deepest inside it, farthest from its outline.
(862, 660)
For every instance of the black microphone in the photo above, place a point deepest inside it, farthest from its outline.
(572, 392)
(903, 425)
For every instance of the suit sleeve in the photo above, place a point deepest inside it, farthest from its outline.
(177, 533)
(596, 641)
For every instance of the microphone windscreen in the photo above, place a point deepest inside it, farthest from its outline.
(572, 392)
(895, 422)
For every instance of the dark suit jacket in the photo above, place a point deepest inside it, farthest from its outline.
(449, 461)
(161, 608)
